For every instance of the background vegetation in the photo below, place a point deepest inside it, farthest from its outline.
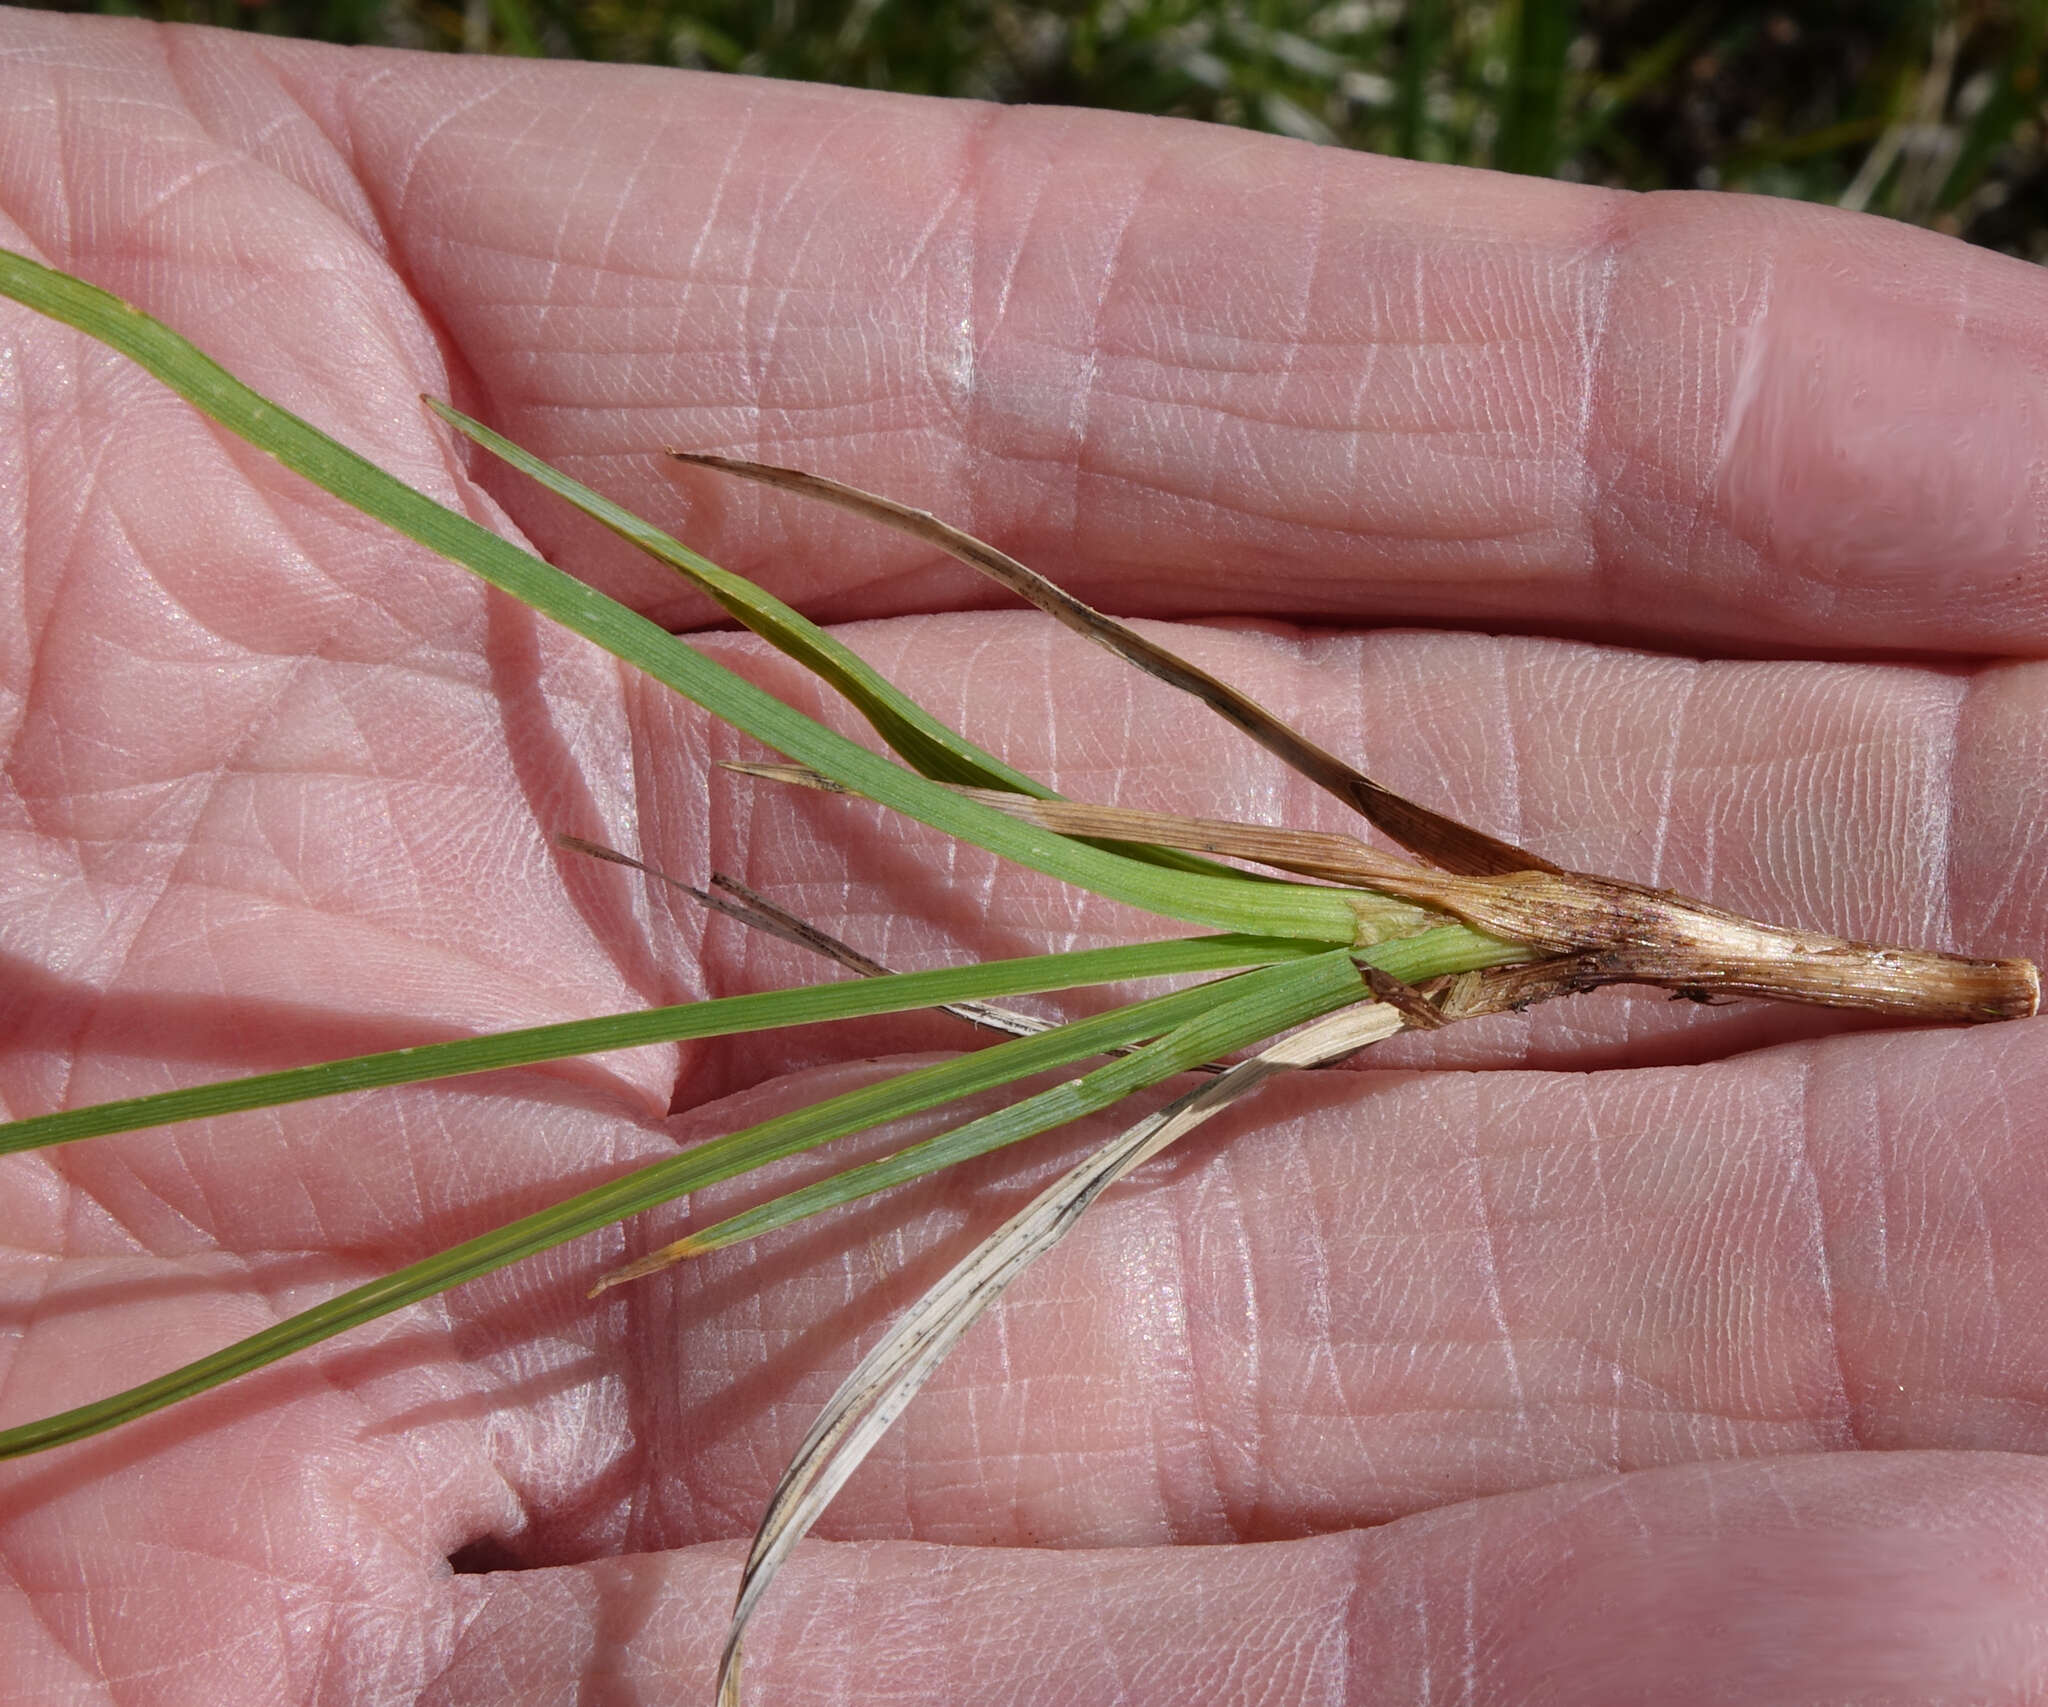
(1926, 110)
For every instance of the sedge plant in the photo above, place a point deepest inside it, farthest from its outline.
(1307, 948)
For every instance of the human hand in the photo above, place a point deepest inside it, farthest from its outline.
(1711, 1376)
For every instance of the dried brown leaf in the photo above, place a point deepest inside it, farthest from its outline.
(1440, 839)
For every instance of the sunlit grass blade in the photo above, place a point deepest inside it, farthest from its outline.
(1435, 954)
(1262, 1004)
(1426, 29)
(2015, 90)
(1653, 66)
(725, 1017)
(1226, 903)
(912, 732)
(1532, 106)
(921, 740)
(646, 1188)
(885, 1381)
(516, 32)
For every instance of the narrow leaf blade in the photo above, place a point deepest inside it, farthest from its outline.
(1452, 845)
(728, 1016)
(1260, 1004)
(921, 740)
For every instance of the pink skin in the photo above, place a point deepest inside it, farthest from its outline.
(1498, 1385)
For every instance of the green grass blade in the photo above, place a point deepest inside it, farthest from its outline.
(2017, 89)
(1439, 953)
(1532, 109)
(658, 1183)
(727, 1016)
(1226, 903)
(516, 32)
(1433, 954)
(1268, 1002)
(912, 733)
(1652, 68)
(1426, 34)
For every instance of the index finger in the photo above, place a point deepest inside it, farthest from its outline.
(1191, 371)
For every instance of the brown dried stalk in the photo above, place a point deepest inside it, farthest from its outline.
(1598, 930)
(757, 912)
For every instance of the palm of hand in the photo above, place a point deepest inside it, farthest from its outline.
(1533, 1380)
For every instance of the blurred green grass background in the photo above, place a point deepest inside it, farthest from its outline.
(1925, 110)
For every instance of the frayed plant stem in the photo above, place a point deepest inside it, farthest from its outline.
(1609, 930)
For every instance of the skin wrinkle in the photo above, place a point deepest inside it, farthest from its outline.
(1849, 1420)
(1749, 378)
(761, 340)
(1495, 1308)
(1699, 507)
(977, 156)
(244, 1474)
(1590, 1138)
(1081, 410)
(1119, 1687)
(634, 174)
(735, 152)
(548, 289)
(66, 1637)
(1419, 1607)
(265, 134)
(63, 1168)
(196, 174)
(1310, 263)
(1982, 1224)
(1510, 744)
(1612, 235)
(2009, 877)
(968, 404)
(955, 356)
(1203, 1507)
(1948, 761)
(400, 185)
(1238, 1515)
(1311, 1271)
(1468, 1643)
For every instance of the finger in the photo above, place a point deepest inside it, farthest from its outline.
(1364, 1297)
(1879, 734)
(276, 316)
(1367, 1296)
(1887, 804)
(1880, 798)
(1903, 1122)
(1186, 370)
(1862, 1581)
